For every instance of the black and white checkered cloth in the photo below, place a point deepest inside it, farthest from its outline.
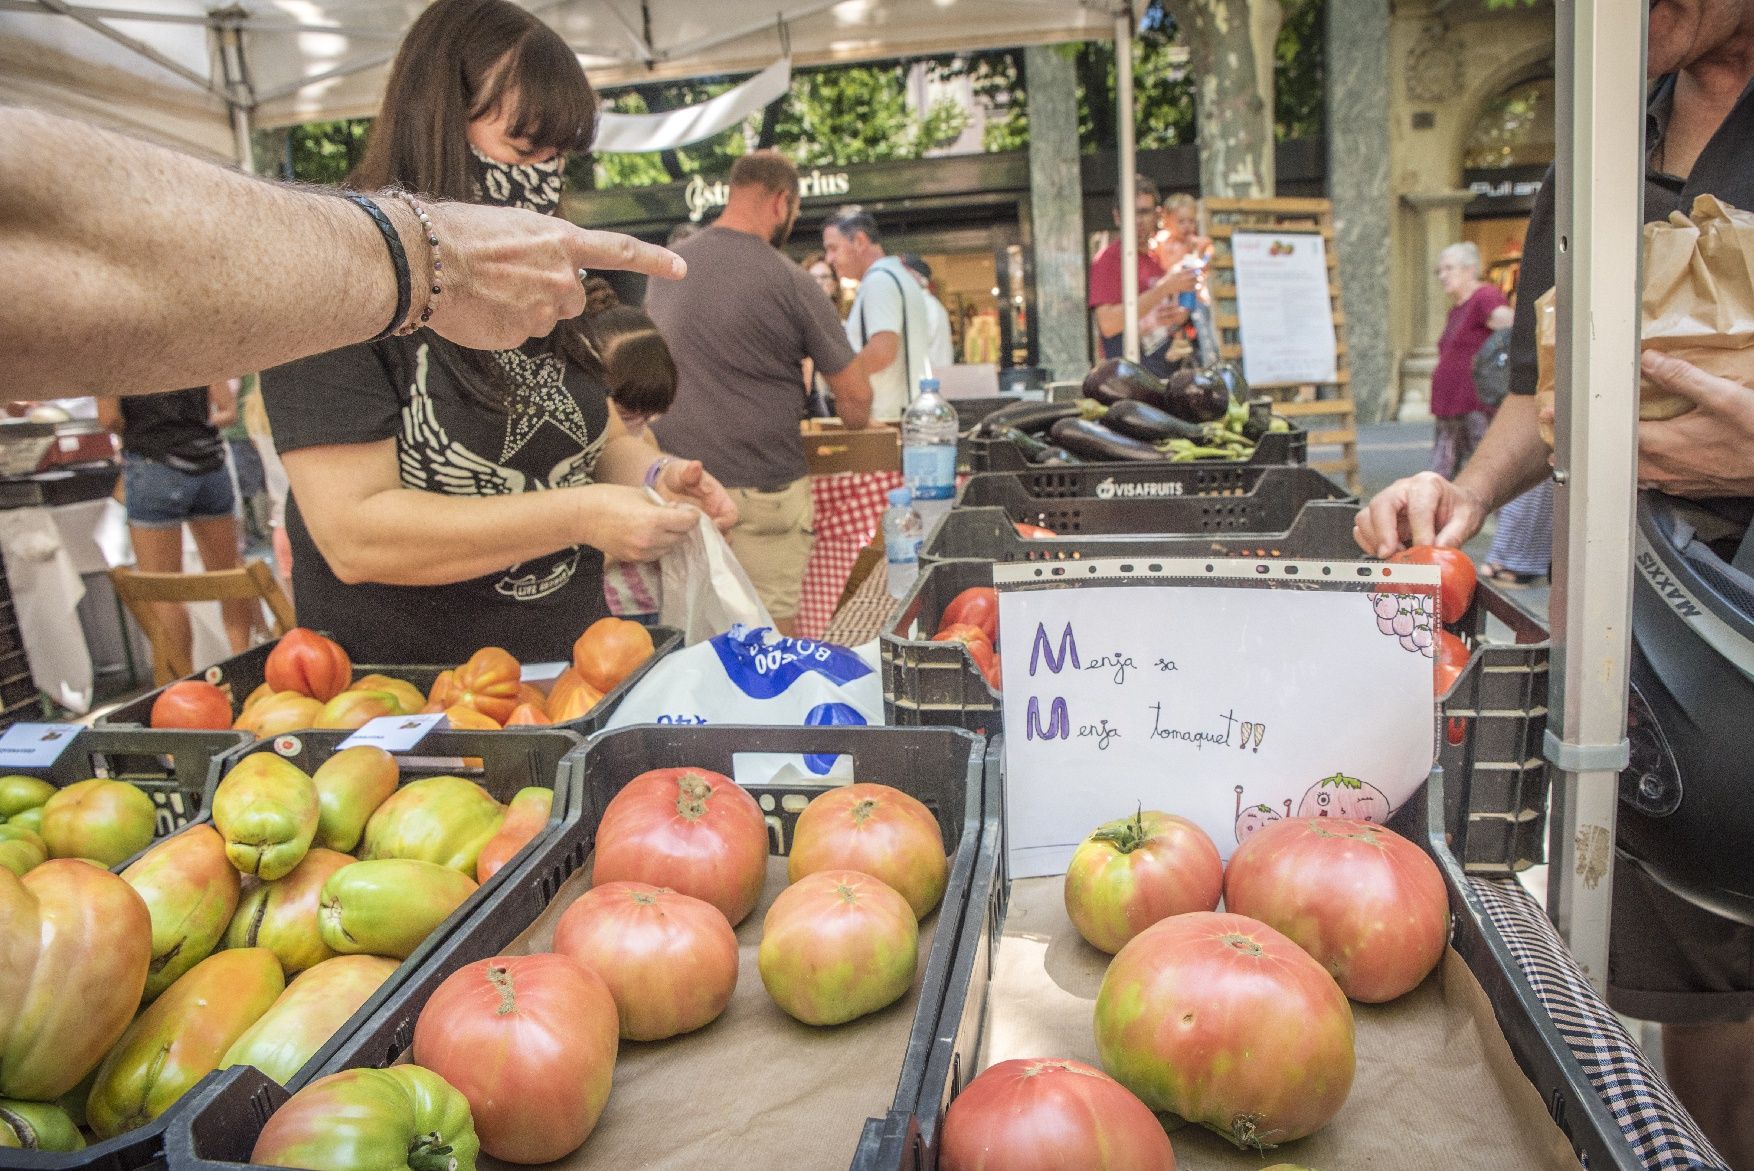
(1659, 1130)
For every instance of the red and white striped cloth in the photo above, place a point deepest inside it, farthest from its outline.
(849, 512)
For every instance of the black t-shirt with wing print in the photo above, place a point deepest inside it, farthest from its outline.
(410, 390)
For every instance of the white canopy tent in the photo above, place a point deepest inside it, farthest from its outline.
(199, 76)
(197, 73)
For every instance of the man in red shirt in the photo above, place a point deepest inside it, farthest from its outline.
(1159, 313)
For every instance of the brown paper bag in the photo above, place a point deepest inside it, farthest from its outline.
(1698, 303)
(1547, 358)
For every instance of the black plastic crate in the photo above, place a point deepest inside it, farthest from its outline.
(17, 689)
(217, 1124)
(538, 757)
(1490, 724)
(169, 765)
(1318, 527)
(1178, 499)
(901, 1143)
(970, 411)
(246, 672)
(977, 453)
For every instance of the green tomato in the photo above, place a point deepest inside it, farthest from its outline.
(18, 793)
(405, 1118)
(37, 1126)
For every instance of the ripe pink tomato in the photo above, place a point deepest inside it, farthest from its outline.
(876, 830)
(694, 831)
(669, 960)
(1047, 1114)
(1368, 904)
(1224, 1021)
(1132, 872)
(530, 1041)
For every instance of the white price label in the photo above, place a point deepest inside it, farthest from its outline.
(35, 745)
(396, 733)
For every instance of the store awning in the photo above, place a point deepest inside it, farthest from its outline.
(178, 70)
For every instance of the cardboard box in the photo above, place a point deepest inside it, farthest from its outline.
(830, 448)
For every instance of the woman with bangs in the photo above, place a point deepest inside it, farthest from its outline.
(445, 499)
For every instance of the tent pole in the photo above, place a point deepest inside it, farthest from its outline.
(1600, 178)
(240, 129)
(1128, 176)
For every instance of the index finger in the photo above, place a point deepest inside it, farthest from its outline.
(1422, 500)
(593, 249)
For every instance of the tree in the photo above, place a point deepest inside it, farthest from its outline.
(1231, 45)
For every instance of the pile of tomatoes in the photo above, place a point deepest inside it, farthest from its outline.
(1239, 1021)
(514, 1055)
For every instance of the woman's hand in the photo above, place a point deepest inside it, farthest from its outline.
(626, 525)
(686, 481)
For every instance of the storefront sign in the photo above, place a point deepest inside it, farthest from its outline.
(1230, 692)
(701, 196)
(1284, 308)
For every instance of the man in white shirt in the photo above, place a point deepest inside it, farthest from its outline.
(939, 348)
(888, 324)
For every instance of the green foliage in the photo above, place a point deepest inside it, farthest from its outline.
(1300, 71)
(324, 152)
(1163, 93)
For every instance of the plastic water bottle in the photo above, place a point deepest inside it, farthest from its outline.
(902, 533)
(928, 453)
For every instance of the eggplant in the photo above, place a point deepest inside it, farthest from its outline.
(1138, 420)
(1260, 418)
(1205, 396)
(1116, 380)
(1029, 417)
(1093, 441)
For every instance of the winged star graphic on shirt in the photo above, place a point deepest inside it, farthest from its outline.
(431, 461)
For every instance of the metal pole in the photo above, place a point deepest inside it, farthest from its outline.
(1600, 176)
(240, 130)
(1124, 198)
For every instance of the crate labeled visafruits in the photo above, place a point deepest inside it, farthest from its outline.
(981, 453)
(769, 1090)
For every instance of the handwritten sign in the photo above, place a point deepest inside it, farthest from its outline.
(1231, 692)
(395, 733)
(1283, 308)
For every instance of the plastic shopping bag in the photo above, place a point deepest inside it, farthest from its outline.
(755, 676)
(705, 590)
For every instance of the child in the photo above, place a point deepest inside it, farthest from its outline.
(642, 384)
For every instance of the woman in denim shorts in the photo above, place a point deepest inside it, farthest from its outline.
(174, 473)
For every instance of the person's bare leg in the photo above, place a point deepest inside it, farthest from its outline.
(161, 551)
(217, 540)
(786, 626)
(1711, 1069)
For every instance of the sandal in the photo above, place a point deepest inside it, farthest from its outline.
(1498, 575)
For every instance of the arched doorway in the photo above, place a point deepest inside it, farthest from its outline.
(1504, 158)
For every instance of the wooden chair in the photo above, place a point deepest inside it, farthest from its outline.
(138, 590)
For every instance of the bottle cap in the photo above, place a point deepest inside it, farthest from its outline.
(900, 497)
(928, 384)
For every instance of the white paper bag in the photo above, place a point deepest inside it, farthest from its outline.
(706, 591)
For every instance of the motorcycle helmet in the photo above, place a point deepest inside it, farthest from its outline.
(1687, 795)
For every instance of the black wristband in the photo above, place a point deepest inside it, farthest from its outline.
(398, 259)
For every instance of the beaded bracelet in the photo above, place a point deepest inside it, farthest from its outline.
(438, 263)
(656, 470)
(398, 258)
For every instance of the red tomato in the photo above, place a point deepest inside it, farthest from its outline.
(876, 830)
(1032, 532)
(1452, 659)
(193, 703)
(669, 960)
(691, 830)
(306, 662)
(980, 649)
(609, 650)
(1134, 871)
(530, 1041)
(836, 945)
(1457, 590)
(489, 683)
(975, 606)
(1226, 1022)
(1368, 904)
(993, 673)
(1047, 1114)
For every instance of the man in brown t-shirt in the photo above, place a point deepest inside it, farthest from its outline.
(739, 327)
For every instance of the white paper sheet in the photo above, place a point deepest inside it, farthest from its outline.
(1286, 316)
(1229, 704)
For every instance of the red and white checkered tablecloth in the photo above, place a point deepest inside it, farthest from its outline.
(849, 511)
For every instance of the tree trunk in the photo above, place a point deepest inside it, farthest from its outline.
(1231, 57)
